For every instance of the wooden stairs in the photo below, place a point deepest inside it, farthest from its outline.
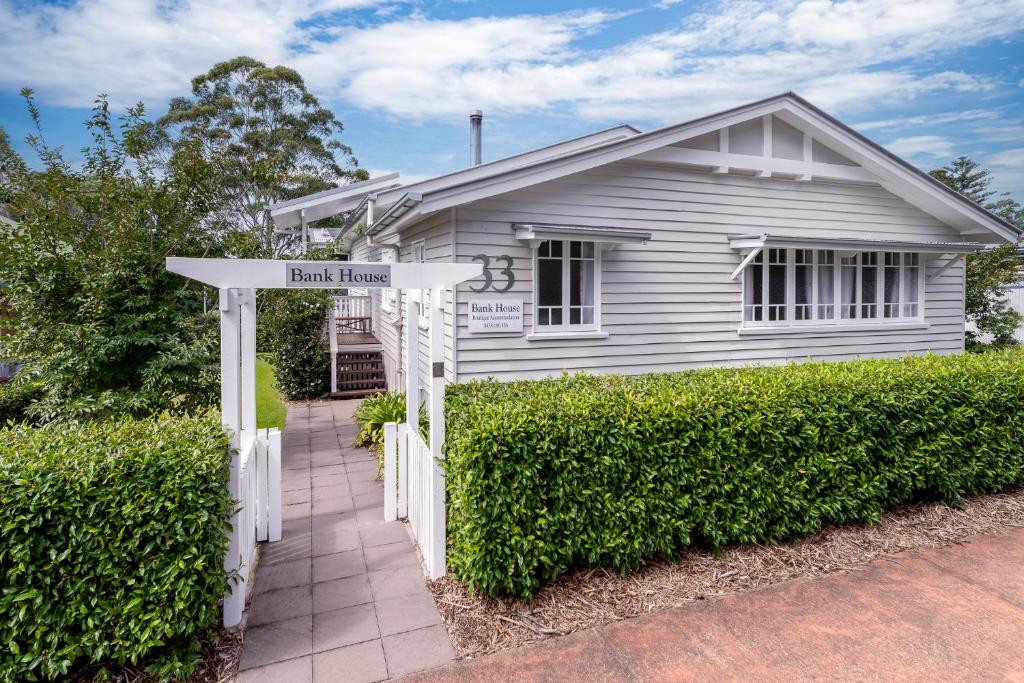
(360, 373)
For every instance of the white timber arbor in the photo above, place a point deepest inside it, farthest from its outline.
(255, 480)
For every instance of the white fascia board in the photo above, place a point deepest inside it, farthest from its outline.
(894, 174)
(765, 241)
(329, 203)
(272, 274)
(499, 166)
(591, 158)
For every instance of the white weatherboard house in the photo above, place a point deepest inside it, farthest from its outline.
(762, 234)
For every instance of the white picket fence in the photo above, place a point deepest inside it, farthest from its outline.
(255, 485)
(1015, 297)
(414, 488)
(352, 306)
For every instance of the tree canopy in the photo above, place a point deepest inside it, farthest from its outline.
(991, 270)
(268, 138)
(97, 316)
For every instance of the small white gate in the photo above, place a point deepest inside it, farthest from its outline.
(414, 470)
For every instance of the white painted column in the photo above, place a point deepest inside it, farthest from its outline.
(247, 334)
(438, 513)
(390, 452)
(230, 406)
(332, 336)
(412, 363)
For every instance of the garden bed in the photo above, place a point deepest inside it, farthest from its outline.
(584, 599)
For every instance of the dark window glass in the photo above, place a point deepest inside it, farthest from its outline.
(549, 276)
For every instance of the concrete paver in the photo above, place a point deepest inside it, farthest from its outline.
(952, 613)
(335, 599)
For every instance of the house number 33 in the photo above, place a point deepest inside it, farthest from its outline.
(506, 272)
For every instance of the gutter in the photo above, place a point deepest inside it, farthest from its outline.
(408, 202)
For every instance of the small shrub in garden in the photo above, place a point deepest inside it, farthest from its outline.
(293, 323)
(15, 399)
(613, 471)
(377, 409)
(113, 543)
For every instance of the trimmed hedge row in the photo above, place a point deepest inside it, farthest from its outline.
(580, 471)
(113, 542)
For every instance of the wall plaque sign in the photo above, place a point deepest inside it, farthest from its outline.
(495, 315)
(342, 274)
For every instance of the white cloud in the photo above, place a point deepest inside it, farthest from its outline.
(1012, 158)
(848, 57)
(933, 146)
(938, 118)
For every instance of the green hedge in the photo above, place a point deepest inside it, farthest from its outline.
(293, 323)
(113, 541)
(15, 398)
(613, 471)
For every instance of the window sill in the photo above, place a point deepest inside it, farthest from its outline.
(558, 336)
(825, 329)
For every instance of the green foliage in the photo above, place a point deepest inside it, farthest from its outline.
(375, 410)
(268, 137)
(97, 318)
(113, 543)
(16, 397)
(613, 471)
(293, 323)
(990, 271)
(270, 408)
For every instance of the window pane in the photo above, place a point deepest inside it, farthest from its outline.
(544, 249)
(549, 282)
(556, 249)
(556, 316)
(847, 286)
(588, 250)
(575, 249)
(804, 285)
(826, 287)
(752, 289)
(588, 316)
(869, 284)
(910, 290)
(581, 283)
(574, 316)
(891, 309)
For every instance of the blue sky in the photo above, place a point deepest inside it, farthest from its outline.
(928, 79)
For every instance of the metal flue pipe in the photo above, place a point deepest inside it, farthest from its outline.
(476, 122)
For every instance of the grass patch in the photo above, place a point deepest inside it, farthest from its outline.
(270, 408)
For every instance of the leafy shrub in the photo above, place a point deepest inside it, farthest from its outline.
(544, 476)
(94, 312)
(16, 397)
(113, 543)
(293, 322)
(377, 409)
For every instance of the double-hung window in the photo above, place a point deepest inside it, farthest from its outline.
(567, 273)
(792, 287)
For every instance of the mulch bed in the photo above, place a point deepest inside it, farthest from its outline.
(587, 598)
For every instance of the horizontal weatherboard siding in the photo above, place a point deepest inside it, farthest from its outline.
(671, 304)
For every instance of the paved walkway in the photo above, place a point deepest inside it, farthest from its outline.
(953, 614)
(342, 596)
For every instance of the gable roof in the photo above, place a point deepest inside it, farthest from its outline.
(875, 163)
(388, 188)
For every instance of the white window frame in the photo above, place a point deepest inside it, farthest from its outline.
(836, 321)
(389, 296)
(566, 328)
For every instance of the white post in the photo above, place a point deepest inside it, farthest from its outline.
(332, 335)
(274, 476)
(247, 333)
(262, 485)
(230, 408)
(390, 448)
(412, 364)
(438, 517)
(403, 470)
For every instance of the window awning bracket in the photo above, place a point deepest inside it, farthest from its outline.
(745, 262)
(946, 266)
